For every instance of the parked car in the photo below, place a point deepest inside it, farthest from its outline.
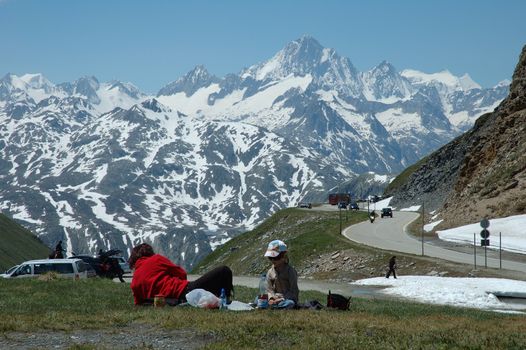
(88, 259)
(9, 271)
(305, 205)
(354, 206)
(387, 212)
(91, 271)
(69, 268)
(342, 205)
(124, 264)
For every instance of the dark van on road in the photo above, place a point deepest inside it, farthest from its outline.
(387, 212)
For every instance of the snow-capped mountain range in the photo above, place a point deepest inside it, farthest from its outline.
(103, 165)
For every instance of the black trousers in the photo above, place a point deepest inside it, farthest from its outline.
(213, 281)
(389, 273)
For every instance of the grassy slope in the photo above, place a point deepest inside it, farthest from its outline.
(403, 177)
(308, 233)
(58, 306)
(18, 244)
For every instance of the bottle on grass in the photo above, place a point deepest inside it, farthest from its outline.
(222, 300)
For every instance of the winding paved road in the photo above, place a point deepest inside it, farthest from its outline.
(390, 234)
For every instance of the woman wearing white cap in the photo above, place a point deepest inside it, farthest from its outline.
(282, 279)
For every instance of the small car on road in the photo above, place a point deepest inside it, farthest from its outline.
(387, 212)
(305, 205)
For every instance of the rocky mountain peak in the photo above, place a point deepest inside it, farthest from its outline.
(86, 86)
(37, 81)
(305, 56)
(383, 83)
(303, 49)
(197, 75)
(443, 81)
(86, 83)
(154, 105)
(12, 82)
(127, 88)
(384, 68)
(28, 85)
(190, 82)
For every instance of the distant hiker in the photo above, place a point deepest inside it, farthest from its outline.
(58, 251)
(392, 267)
(155, 274)
(282, 278)
(117, 269)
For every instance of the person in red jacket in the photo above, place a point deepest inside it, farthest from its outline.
(154, 274)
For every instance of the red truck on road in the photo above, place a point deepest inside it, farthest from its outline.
(335, 198)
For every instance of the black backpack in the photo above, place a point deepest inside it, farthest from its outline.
(338, 301)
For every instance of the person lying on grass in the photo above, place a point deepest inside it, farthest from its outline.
(282, 279)
(154, 275)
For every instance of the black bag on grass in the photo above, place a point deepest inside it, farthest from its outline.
(338, 301)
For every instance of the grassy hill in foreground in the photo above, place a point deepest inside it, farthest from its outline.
(99, 314)
(18, 244)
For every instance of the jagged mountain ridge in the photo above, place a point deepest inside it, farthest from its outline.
(306, 78)
(481, 173)
(102, 165)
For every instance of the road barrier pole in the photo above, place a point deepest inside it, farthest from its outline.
(475, 250)
(340, 219)
(423, 228)
(500, 250)
(485, 255)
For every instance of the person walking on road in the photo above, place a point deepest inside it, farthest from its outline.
(392, 267)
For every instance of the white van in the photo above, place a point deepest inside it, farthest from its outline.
(69, 268)
(8, 271)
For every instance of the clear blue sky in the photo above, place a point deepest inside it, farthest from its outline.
(151, 43)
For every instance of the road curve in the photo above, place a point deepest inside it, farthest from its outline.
(390, 234)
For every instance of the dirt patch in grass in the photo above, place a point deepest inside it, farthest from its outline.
(134, 336)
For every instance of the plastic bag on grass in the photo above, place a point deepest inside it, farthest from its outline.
(203, 299)
(239, 306)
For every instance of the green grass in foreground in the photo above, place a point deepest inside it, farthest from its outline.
(66, 305)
